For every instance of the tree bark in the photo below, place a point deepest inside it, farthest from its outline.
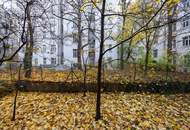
(29, 47)
(61, 49)
(170, 39)
(147, 53)
(79, 20)
(99, 75)
(123, 30)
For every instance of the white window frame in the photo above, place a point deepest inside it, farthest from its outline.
(53, 49)
(155, 53)
(53, 61)
(186, 41)
(75, 53)
(44, 49)
(45, 61)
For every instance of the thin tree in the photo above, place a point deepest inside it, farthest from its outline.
(29, 46)
(102, 53)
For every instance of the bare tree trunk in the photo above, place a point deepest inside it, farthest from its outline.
(16, 94)
(135, 71)
(79, 60)
(79, 41)
(99, 75)
(85, 76)
(170, 39)
(147, 54)
(123, 30)
(11, 73)
(129, 51)
(61, 49)
(29, 47)
(169, 51)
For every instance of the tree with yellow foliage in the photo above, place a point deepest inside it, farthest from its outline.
(145, 26)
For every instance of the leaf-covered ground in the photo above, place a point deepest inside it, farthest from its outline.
(113, 76)
(58, 111)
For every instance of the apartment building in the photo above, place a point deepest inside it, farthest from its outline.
(7, 24)
(56, 36)
(180, 39)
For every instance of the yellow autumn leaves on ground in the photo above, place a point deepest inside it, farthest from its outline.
(58, 111)
(112, 76)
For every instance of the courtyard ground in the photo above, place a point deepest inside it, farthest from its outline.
(56, 111)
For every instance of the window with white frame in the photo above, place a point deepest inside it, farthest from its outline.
(44, 61)
(174, 43)
(91, 55)
(36, 61)
(44, 49)
(174, 26)
(75, 53)
(53, 49)
(186, 3)
(91, 45)
(53, 61)
(44, 35)
(155, 53)
(186, 22)
(186, 41)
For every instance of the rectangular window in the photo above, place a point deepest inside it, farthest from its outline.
(74, 53)
(174, 43)
(91, 16)
(53, 61)
(91, 56)
(186, 22)
(36, 61)
(186, 41)
(174, 27)
(155, 53)
(44, 49)
(186, 4)
(53, 49)
(92, 45)
(44, 35)
(44, 61)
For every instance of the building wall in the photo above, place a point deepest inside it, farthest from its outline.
(178, 48)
